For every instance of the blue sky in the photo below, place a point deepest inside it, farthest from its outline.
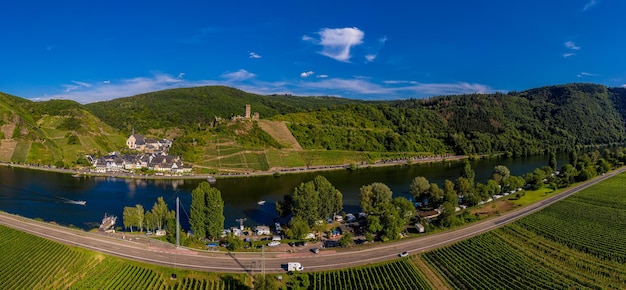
(100, 50)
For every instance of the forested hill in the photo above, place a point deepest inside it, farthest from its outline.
(195, 107)
(518, 123)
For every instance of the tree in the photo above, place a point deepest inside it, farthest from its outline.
(500, 172)
(513, 182)
(568, 173)
(207, 211)
(405, 209)
(391, 221)
(129, 217)
(552, 161)
(160, 212)
(573, 158)
(133, 217)
(450, 195)
(262, 282)
(305, 203)
(373, 224)
(467, 172)
(331, 199)
(139, 216)
(374, 195)
(298, 228)
(151, 222)
(448, 187)
(603, 166)
(435, 195)
(535, 178)
(418, 187)
(312, 201)
(234, 242)
(492, 187)
(346, 239)
(447, 216)
(284, 206)
(463, 186)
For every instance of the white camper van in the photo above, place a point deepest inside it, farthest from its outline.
(294, 267)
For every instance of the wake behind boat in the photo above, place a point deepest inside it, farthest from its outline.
(80, 202)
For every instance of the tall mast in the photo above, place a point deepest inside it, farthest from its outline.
(177, 223)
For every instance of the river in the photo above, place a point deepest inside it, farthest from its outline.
(49, 195)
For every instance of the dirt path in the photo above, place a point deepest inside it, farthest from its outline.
(435, 280)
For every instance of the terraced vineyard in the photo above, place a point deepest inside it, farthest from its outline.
(577, 243)
(30, 262)
(400, 274)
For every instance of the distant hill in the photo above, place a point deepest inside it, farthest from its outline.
(56, 132)
(298, 131)
(197, 107)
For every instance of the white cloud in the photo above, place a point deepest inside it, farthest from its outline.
(356, 87)
(239, 75)
(84, 92)
(76, 86)
(586, 74)
(181, 75)
(571, 45)
(566, 55)
(254, 55)
(306, 74)
(337, 42)
(590, 4)
(370, 57)
(366, 89)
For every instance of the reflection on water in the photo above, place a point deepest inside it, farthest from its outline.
(39, 194)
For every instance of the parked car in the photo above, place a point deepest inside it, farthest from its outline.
(403, 254)
(273, 244)
(315, 250)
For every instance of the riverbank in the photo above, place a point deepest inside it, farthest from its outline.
(276, 171)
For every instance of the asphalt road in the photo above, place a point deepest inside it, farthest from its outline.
(155, 252)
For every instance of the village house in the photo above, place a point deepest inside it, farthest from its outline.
(114, 162)
(141, 143)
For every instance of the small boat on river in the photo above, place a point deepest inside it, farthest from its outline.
(260, 202)
(107, 223)
(211, 179)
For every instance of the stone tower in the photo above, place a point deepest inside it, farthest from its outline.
(247, 116)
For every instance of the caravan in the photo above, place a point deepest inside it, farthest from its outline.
(294, 267)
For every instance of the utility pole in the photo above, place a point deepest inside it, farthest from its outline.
(177, 223)
(241, 220)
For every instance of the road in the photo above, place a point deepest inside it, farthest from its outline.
(156, 252)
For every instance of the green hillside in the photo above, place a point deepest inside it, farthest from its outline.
(192, 108)
(56, 132)
(531, 122)
(200, 121)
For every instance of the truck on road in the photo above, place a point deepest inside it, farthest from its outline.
(294, 267)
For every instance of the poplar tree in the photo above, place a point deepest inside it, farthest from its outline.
(207, 212)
